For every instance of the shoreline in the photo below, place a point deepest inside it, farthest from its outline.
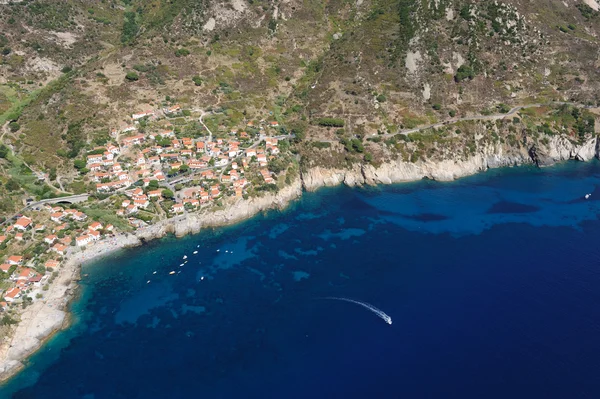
(44, 318)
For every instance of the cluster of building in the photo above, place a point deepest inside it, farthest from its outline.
(21, 272)
(154, 156)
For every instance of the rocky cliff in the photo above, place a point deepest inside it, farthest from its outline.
(558, 149)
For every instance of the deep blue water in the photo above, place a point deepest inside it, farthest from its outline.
(493, 284)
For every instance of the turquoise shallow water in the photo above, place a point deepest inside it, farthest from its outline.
(492, 282)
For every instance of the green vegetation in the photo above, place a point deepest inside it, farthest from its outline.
(132, 76)
(464, 72)
(130, 27)
(330, 122)
(168, 193)
(182, 52)
(197, 80)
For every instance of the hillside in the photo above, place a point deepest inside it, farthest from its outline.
(70, 71)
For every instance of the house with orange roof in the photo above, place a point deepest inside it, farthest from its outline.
(25, 274)
(141, 203)
(80, 216)
(95, 226)
(23, 223)
(57, 217)
(14, 260)
(4, 267)
(40, 227)
(94, 234)
(155, 194)
(59, 249)
(52, 264)
(12, 294)
(83, 240)
(60, 227)
(2, 239)
(19, 236)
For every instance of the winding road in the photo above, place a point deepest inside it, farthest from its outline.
(491, 117)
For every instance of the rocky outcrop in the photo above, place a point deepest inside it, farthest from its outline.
(234, 212)
(558, 149)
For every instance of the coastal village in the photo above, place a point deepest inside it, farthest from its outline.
(148, 171)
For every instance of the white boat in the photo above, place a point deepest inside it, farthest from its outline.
(588, 196)
(148, 282)
(195, 252)
(184, 256)
(172, 272)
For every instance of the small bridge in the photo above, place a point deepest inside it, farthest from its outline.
(71, 199)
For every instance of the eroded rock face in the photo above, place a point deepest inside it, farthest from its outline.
(492, 156)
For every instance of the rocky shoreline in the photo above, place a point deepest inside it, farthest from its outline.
(44, 318)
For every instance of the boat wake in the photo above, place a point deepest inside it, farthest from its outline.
(367, 306)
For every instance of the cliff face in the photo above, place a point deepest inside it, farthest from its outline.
(558, 149)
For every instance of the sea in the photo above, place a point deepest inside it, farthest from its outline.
(492, 283)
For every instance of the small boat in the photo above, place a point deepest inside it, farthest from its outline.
(184, 256)
(218, 250)
(587, 196)
(195, 252)
(154, 273)
(202, 278)
(172, 272)
(148, 282)
(182, 264)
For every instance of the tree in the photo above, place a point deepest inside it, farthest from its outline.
(12, 185)
(197, 80)
(168, 193)
(464, 72)
(3, 151)
(132, 76)
(153, 185)
(14, 126)
(79, 164)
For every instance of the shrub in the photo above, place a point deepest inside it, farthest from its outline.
(167, 193)
(132, 76)
(330, 122)
(182, 52)
(14, 126)
(452, 113)
(464, 72)
(437, 106)
(197, 80)
(381, 98)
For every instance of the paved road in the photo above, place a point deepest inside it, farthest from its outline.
(70, 198)
(512, 112)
